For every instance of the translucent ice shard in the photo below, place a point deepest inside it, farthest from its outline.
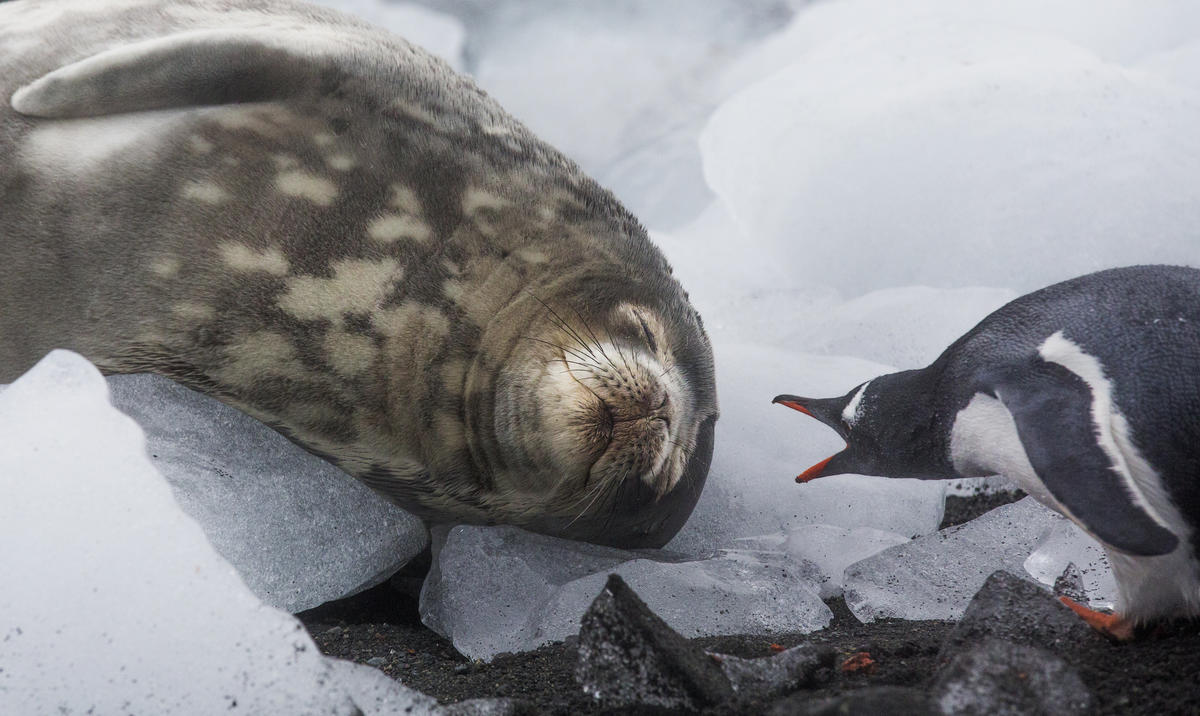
(498, 589)
(935, 577)
(300, 531)
(113, 600)
(1064, 544)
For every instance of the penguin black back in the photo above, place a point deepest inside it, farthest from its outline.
(1098, 373)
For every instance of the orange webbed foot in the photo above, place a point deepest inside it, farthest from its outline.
(1113, 626)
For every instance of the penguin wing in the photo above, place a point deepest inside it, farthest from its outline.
(1053, 411)
(184, 69)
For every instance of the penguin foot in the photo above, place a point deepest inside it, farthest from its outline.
(1113, 626)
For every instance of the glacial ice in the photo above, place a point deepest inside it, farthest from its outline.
(830, 548)
(378, 694)
(1064, 543)
(941, 144)
(934, 577)
(621, 88)
(502, 589)
(300, 531)
(113, 600)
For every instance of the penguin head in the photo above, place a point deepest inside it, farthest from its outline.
(890, 427)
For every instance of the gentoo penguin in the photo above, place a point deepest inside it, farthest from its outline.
(1087, 393)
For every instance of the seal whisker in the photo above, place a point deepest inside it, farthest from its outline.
(561, 322)
(572, 351)
(587, 327)
(600, 488)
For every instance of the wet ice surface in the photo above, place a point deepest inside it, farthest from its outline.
(831, 549)
(934, 577)
(299, 530)
(113, 600)
(1063, 544)
(498, 589)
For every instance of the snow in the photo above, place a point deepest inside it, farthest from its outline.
(300, 531)
(113, 599)
(502, 589)
(927, 143)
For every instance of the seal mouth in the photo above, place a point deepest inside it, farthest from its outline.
(634, 412)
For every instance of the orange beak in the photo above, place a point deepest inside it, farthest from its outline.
(794, 403)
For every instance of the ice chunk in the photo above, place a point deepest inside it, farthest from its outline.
(1063, 544)
(830, 548)
(935, 577)
(955, 147)
(621, 88)
(113, 601)
(378, 694)
(300, 531)
(441, 34)
(498, 589)
(762, 447)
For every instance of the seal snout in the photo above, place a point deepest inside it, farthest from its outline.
(638, 410)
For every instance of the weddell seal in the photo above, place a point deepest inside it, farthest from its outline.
(1087, 394)
(322, 225)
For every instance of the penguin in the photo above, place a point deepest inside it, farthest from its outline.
(1087, 394)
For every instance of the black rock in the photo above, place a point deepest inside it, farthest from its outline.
(1070, 584)
(871, 701)
(629, 657)
(998, 678)
(797, 668)
(489, 707)
(1013, 609)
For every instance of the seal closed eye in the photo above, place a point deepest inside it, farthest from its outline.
(324, 226)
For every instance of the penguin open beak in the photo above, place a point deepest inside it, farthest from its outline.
(828, 411)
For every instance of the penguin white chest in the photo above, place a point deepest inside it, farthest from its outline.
(1079, 446)
(984, 441)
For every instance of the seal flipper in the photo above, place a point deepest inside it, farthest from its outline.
(1052, 409)
(196, 68)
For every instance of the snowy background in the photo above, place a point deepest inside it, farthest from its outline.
(844, 187)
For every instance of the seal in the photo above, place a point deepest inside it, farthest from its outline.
(324, 226)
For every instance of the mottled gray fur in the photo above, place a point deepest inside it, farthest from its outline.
(324, 226)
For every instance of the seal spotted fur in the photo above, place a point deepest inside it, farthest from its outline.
(324, 226)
